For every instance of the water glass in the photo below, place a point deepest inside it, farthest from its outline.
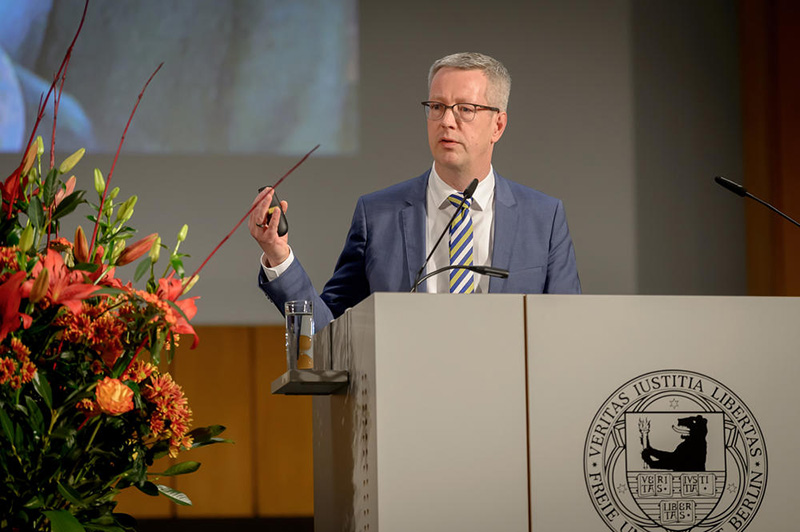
(299, 334)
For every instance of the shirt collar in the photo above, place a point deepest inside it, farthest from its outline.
(441, 190)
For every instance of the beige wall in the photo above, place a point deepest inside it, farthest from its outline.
(267, 472)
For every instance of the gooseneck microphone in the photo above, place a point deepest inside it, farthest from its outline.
(486, 270)
(483, 270)
(739, 190)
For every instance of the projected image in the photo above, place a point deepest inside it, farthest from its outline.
(269, 77)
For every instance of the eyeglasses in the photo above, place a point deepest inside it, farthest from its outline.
(462, 111)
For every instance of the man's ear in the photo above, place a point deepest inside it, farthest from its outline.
(499, 124)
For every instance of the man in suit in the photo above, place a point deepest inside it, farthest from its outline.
(506, 225)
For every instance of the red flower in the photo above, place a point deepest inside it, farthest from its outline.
(10, 298)
(169, 289)
(10, 191)
(66, 287)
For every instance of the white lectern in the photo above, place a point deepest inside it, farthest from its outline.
(515, 413)
(431, 434)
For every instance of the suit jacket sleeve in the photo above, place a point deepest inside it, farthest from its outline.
(562, 272)
(345, 289)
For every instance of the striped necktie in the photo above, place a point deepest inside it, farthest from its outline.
(461, 281)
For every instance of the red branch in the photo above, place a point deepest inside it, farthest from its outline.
(292, 169)
(56, 101)
(136, 354)
(43, 103)
(116, 156)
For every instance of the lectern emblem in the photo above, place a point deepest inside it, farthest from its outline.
(675, 451)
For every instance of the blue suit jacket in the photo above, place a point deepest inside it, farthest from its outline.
(386, 247)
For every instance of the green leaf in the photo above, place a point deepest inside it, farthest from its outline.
(35, 502)
(177, 265)
(36, 212)
(108, 291)
(182, 468)
(35, 418)
(158, 345)
(42, 387)
(63, 521)
(141, 269)
(49, 188)
(201, 434)
(106, 528)
(8, 425)
(72, 496)
(125, 521)
(148, 488)
(212, 441)
(174, 495)
(69, 204)
(19, 438)
(86, 267)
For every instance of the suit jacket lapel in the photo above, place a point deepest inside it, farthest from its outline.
(412, 218)
(505, 229)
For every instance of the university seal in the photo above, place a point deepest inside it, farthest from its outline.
(675, 451)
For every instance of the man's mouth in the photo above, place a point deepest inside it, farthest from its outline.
(448, 141)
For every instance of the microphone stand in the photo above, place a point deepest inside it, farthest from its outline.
(467, 194)
(739, 190)
(483, 270)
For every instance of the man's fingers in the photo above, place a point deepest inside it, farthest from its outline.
(274, 218)
(261, 195)
(260, 212)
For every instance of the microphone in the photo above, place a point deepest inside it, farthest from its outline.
(483, 270)
(468, 192)
(736, 188)
(739, 190)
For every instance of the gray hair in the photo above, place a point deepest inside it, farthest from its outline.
(499, 78)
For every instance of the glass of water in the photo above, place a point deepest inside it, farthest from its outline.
(299, 334)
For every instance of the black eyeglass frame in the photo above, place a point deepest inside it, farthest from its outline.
(477, 106)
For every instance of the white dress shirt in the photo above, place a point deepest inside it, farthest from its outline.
(439, 211)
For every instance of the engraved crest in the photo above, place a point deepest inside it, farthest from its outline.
(675, 451)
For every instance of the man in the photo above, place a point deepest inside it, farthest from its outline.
(506, 225)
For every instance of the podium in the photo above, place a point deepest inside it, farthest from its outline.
(514, 413)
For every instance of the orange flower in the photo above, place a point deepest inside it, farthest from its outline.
(62, 193)
(7, 369)
(29, 159)
(87, 406)
(27, 372)
(60, 244)
(81, 249)
(8, 261)
(138, 371)
(172, 415)
(136, 250)
(113, 397)
(40, 286)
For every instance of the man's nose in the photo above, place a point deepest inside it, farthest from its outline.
(449, 117)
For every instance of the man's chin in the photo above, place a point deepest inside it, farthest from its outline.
(448, 159)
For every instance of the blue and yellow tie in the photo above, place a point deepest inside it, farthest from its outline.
(461, 281)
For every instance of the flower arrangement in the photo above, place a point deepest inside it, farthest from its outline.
(85, 404)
